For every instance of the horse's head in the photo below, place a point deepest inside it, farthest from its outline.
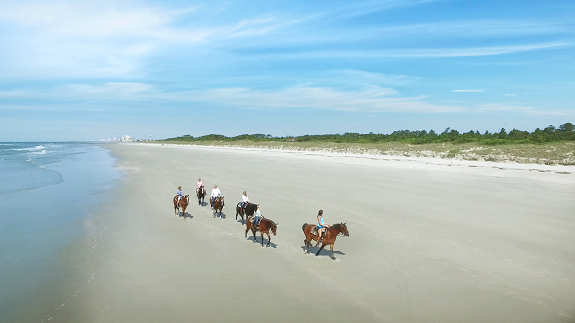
(344, 230)
(274, 227)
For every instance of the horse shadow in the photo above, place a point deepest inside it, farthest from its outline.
(202, 204)
(219, 215)
(186, 215)
(251, 237)
(325, 251)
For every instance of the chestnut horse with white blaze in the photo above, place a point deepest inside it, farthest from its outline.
(183, 203)
(218, 205)
(264, 226)
(329, 236)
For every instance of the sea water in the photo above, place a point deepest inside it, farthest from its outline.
(47, 191)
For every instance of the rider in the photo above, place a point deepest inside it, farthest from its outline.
(257, 217)
(215, 194)
(245, 200)
(321, 227)
(180, 193)
(200, 185)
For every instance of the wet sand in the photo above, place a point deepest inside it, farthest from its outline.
(429, 241)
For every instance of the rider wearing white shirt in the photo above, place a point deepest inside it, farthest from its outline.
(245, 200)
(215, 193)
(257, 217)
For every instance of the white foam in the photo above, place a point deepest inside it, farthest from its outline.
(42, 152)
(29, 149)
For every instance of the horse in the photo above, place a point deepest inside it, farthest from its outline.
(183, 203)
(328, 239)
(248, 211)
(201, 193)
(218, 205)
(264, 226)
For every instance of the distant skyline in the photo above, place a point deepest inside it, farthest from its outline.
(87, 70)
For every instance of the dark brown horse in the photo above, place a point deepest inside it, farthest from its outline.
(329, 236)
(218, 205)
(201, 193)
(264, 226)
(183, 203)
(248, 211)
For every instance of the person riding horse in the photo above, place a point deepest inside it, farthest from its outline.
(200, 185)
(257, 217)
(321, 227)
(180, 193)
(215, 194)
(245, 200)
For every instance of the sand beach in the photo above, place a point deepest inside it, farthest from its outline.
(430, 241)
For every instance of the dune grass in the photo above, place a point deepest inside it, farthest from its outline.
(558, 153)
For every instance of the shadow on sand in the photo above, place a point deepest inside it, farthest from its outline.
(324, 252)
(251, 237)
(186, 215)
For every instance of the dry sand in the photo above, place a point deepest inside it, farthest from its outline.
(430, 241)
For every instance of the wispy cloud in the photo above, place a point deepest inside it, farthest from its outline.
(467, 91)
(415, 52)
(528, 110)
(374, 99)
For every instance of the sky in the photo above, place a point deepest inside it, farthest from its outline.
(88, 70)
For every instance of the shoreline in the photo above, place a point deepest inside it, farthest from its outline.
(424, 239)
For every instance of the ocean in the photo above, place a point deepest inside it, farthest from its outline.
(48, 191)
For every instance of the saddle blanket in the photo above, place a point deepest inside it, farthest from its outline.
(314, 231)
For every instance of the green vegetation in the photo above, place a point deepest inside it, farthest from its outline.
(551, 146)
(565, 132)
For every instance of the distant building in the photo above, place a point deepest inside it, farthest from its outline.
(126, 138)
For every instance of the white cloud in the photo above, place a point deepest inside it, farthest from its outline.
(370, 100)
(85, 39)
(467, 91)
(528, 110)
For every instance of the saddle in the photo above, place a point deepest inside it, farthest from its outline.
(314, 231)
(251, 219)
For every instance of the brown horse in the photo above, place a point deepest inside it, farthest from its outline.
(183, 203)
(218, 205)
(201, 193)
(329, 236)
(264, 226)
(248, 211)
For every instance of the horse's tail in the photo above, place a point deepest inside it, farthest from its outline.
(303, 227)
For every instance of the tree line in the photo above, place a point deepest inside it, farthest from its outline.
(564, 132)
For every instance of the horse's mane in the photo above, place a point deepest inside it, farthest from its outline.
(336, 226)
(273, 223)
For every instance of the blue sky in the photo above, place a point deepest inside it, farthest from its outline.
(82, 70)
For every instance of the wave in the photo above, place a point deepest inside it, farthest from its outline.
(6, 144)
(29, 149)
(42, 152)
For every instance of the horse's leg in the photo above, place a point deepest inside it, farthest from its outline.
(269, 239)
(262, 236)
(331, 247)
(254, 233)
(322, 245)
